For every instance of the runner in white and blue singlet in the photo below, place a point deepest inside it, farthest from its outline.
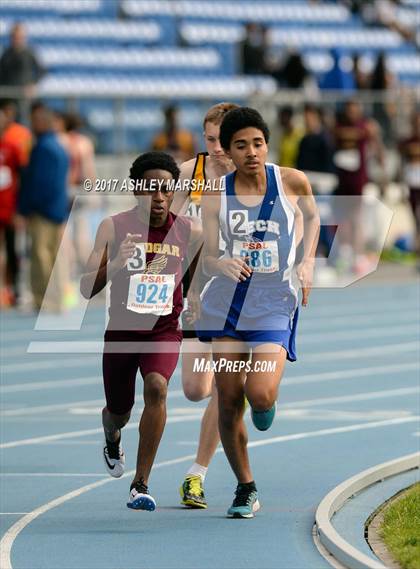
(249, 309)
(262, 308)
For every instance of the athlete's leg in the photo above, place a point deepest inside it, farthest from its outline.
(198, 383)
(197, 378)
(230, 390)
(267, 366)
(209, 432)
(113, 423)
(152, 423)
(119, 373)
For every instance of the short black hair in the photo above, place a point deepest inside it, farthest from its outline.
(153, 161)
(237, 119)
(7, 102)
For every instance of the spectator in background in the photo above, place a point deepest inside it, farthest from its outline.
(18, 137)
(178, 142)
(10, 164)
(315, 158)
(293, 73)
(290, 137)
(315, 149)
(14, 132)
(43, 200)
(252, 50)
(410, 155)
(360, 78)
(82, 166)
(19, 66)
(337, 78)
(355, 136)
(381, 81)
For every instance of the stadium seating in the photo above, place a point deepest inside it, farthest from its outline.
(144, 50)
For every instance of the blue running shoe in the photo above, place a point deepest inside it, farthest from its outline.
(245, 502)
(263, 419)
(140, 499)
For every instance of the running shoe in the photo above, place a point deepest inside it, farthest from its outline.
(140, 499)
(263, 419)
(114, 458)
(245, 503)
(192, 492)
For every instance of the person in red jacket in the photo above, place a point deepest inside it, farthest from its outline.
(10, 164)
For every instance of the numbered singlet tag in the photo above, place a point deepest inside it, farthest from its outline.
(151, 294)
(148, 293)
(138, 261)
(263, 255)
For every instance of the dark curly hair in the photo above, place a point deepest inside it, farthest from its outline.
(153, 161)
(240, 118)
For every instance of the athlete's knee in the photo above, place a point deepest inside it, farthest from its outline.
(231, 409)
(195, 388)
(117, 420)
(261, 401)
(155, 389)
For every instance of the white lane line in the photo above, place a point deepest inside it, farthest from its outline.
(26, 334)
(355, 373)
(335, 430)
(315, 338)
(305, 338)
(86, 432)
(358, 353)
(54, 474)
(11, 534)
(349, 398)
(65, 406)
(55, 384)
(326, 321)
(191, 414)
(14, 513)
(54, 364)
(316, 313)
(316, 324)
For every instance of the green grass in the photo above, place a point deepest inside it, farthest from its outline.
(400, 529)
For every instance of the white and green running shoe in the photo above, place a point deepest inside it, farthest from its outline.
(245, 503)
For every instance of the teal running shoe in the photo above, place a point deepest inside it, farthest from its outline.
(263, 419)
(244, 504)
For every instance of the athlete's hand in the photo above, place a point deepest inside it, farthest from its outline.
(193, 311)
(236, 269)
(305, 272)
(126, 250)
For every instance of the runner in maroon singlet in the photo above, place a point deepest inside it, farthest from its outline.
(355, 137)
(141, 252)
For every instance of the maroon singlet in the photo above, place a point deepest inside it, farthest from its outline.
(165, 248)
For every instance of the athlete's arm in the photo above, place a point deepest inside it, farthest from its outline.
(236, 269)
(99, 269)
(182, 199)
(299, 185)
(194, 268)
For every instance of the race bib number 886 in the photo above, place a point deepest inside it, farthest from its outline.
(263, 256)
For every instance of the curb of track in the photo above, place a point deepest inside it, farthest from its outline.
(324, 532)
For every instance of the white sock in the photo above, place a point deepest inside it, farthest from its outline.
(198, 470)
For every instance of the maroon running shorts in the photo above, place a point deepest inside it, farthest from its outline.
(121, 360)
